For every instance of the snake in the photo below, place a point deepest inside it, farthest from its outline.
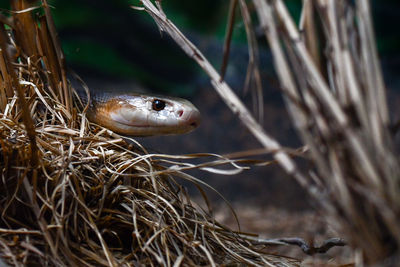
(139, 114)
(133, 114)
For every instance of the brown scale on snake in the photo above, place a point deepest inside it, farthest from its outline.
(137, 114)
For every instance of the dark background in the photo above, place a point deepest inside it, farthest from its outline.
(114, 47)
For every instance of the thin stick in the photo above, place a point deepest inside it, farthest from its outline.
(60, 56)
(30, 128)
(227, 94)
(228, 37)
(253, 71)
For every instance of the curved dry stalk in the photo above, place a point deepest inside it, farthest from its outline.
(347, 135)
(94, 199)
(339, 110)
(226, 93)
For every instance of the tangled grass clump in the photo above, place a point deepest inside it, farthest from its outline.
(73, 193)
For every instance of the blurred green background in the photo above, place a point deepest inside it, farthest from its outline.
(111, 40)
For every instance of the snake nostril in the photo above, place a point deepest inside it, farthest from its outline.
(180, 113)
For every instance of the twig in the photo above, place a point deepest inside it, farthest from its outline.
(253, 71)
(228, 36)
(20, 231)
(307, 248)
(30, 128)
(66, 94)
(227, 94)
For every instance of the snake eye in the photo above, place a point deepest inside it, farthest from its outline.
(158, 104)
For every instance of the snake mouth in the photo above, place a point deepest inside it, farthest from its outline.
(136, 125)
(190, 125)
(137, 129)
(142, 130)
(178, 121)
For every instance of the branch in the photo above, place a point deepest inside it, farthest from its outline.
(228, 37)
(226, 93)
(307, 249)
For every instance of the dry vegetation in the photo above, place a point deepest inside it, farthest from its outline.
(332, 82)
(73, 193)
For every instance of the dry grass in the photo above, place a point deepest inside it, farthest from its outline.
(331, 78)
(75, 194)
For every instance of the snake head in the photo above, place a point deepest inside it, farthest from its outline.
(146, 115)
